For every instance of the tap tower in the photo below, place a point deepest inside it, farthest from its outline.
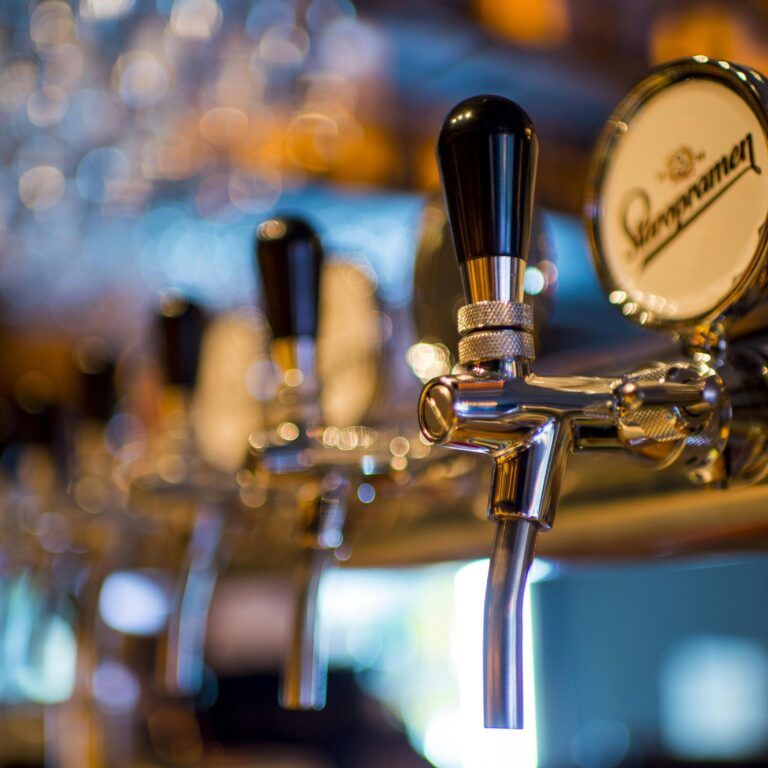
(702, 412)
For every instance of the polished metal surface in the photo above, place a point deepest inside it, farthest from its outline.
(495, 330)
(742, 446)
(530, 425)
(695, 398)
(436, 410)
(494, 278)
(513, 552)
(305, 670)
(185, 637)
(668, 414)
(305, 666)
(673, 414)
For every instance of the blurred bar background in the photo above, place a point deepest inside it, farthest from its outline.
(142, 142)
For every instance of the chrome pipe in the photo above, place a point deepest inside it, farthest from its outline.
(513, 551)
(305, 665)
(495, 278)
(304, 673)
(184, 660)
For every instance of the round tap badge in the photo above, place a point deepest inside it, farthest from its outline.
(678, 195)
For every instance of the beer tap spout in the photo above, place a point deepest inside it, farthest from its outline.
(511, 557)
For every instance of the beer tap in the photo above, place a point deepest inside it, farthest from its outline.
(289, 259)
(185, 495)
(702, 413)
(182, 325)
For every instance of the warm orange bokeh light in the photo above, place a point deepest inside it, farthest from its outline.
(714, 31)
(541, 23)
(427, 174)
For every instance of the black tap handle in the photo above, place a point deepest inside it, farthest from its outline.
(487, 153)
(95, 364)
(180, 328)
(289, 257)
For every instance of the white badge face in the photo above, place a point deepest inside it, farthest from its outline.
(682, 202)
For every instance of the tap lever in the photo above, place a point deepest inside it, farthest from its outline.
(180, 327)
(487, 152)
(289, 258)
(95, 365)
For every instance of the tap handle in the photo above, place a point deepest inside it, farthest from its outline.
(95, 364)
(289, 258)
(487, 154)
(180, 326)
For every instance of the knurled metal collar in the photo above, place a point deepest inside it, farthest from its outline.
(495, 314)
(496, 345)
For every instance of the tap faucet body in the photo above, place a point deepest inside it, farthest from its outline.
(202, 497)
(289, 259)
(316, 471)
(667, 414)
(529, 426)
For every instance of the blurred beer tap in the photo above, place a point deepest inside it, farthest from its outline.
(289, 260)
(194, 498)
(325, 469)
(179, 325)
(678, 413)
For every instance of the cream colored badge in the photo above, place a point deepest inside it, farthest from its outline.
(682, 201)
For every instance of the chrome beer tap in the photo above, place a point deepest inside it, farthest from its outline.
(187, 499)
(700, 413)
(289, 260)
(322, 469)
